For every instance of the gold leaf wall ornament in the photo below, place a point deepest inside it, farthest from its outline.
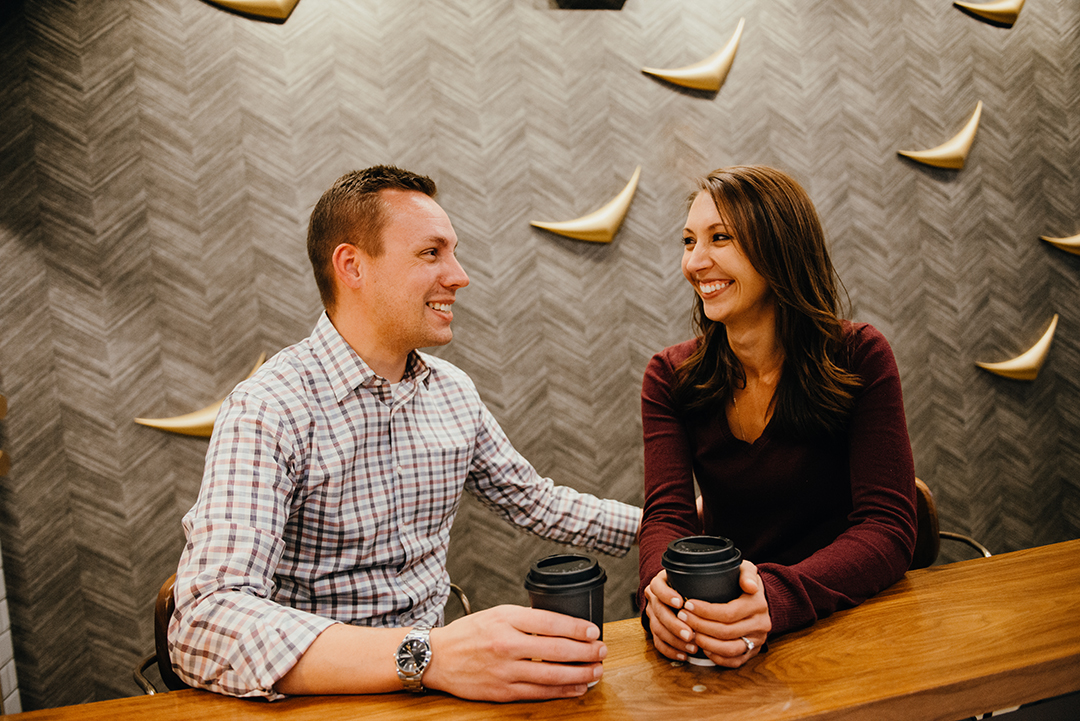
(197, 423)
(599, 226)
(265, 9)
(1025, 367)
(708, 74)
(1002, 12)
(953, 153)
(1069, 245)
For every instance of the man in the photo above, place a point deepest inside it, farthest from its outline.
(319, 538)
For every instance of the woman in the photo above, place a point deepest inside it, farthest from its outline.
(790, 419)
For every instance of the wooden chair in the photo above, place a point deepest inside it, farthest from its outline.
(466, 607)
(928, 540)
(163, 611)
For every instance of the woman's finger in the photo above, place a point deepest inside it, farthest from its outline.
(670, 636)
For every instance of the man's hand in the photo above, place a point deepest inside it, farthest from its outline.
(680, 626)
(511, 653)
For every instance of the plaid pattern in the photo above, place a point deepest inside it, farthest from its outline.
(329, 498)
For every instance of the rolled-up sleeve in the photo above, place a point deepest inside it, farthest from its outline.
(226, 634)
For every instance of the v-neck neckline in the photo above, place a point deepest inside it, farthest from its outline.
(754, 444)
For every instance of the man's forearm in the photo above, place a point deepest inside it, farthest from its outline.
(346, 659)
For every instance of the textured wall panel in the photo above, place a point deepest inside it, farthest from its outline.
(160, 158)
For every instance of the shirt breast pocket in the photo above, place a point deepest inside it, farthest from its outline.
(431, 497)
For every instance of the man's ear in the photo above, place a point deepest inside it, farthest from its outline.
(348, 265)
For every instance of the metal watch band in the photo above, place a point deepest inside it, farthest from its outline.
(412, 658)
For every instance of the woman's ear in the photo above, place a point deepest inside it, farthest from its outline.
(348, 266)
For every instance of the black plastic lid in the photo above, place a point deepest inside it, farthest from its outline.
(564, 569)
(701, 550)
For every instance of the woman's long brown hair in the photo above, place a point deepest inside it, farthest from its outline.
(777, 227)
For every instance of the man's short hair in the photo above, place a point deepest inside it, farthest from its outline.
(351, 212)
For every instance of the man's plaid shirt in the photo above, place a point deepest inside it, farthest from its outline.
(327, 497)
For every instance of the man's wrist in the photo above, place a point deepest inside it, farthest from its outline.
(412, 658)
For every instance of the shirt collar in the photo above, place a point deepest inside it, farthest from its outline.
(347, 370)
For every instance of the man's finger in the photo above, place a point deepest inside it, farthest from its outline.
(540, 622)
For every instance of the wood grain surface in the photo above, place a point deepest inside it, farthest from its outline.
(944, 643)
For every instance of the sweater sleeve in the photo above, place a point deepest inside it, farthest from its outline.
(669, 510)
(875, 550)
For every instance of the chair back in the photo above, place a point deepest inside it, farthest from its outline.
(163, 611)
(928, 538)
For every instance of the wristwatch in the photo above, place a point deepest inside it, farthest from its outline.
(413, 657)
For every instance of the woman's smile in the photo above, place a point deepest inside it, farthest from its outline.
(712, 287)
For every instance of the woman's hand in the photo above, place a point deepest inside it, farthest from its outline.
(680, 626)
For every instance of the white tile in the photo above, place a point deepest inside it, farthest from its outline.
(6, 651)
(8, 679)
(12, 703)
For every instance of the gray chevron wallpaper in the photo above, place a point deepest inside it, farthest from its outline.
(159, 159)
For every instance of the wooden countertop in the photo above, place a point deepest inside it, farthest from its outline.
(942, 644)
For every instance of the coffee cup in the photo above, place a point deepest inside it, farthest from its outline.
(705, 568)
(569, 583)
